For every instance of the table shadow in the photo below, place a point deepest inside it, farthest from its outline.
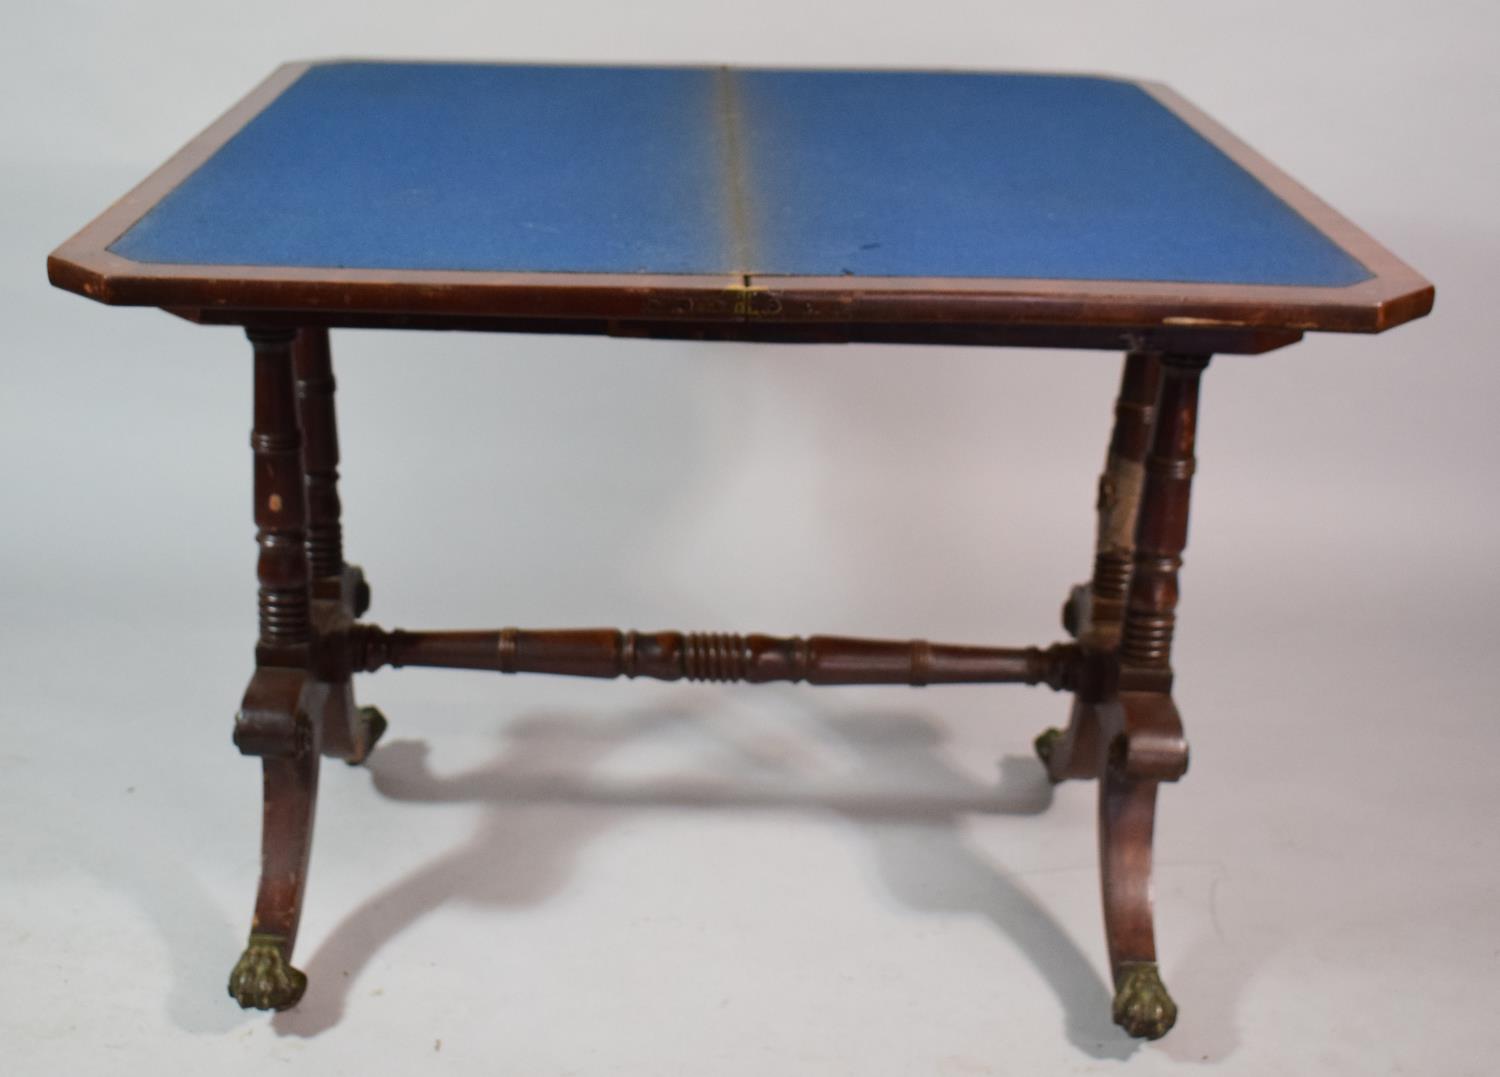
(543, 802)
(186, 918)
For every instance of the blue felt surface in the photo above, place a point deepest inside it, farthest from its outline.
(961, 175)
(488, 167)
(462, 166)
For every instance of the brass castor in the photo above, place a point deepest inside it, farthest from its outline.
(1142, 1006)
(375, 726)
(263, 979)
(1045, 742)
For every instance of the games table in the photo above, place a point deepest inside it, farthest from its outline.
(721, 204)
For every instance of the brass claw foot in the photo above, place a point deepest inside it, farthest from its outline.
(1142, 1006)
(375, 725)
(262, 978)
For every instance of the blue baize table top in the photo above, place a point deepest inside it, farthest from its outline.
(478, 167)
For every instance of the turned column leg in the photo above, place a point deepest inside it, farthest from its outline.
(1141, 729)
(339, 590)
(1094, 610)
(280, 717)
(1120, 489)
(316, 389)
(1162, 528)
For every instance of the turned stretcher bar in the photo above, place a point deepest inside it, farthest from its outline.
(715, 656)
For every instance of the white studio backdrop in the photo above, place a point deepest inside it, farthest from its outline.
(1328, 878)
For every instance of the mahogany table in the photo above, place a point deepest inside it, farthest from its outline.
(760, 205)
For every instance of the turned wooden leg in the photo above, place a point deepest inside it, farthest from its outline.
(1140, 729)
(1120, 489)
(339, 590)
(281, 715)
(1094, 610)
(316, 405)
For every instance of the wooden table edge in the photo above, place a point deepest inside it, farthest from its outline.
(1393, 295)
